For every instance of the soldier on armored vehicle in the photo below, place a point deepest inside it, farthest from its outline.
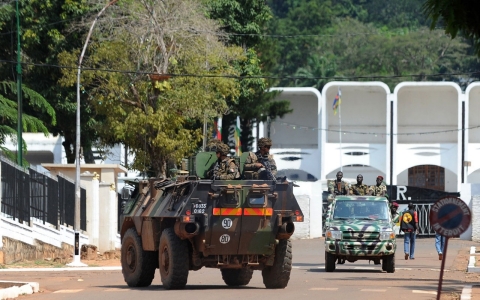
(237, 226)
(261, 165)
(225, 167)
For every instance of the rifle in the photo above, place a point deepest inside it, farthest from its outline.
(355, 191)
(216, 171)
(268, 167)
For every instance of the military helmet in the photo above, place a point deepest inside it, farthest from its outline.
(264, 142)
(212, 145)
(223, 149)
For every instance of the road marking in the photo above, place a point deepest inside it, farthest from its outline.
(67, 291)
(373, 290)
(365, 268)
(323, 289)
(408, 269)
(295, 267)
(439, 270)
(114, 290)
(466, 293)
(424, 292)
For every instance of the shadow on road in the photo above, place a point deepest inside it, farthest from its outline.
(188, 287)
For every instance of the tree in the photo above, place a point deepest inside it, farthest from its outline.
(455, 17)
(45, 32)
(8, 114)
(245, 23)
(157, 119)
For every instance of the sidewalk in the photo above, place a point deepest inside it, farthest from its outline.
(14, 289)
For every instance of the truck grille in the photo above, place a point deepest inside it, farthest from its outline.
(361, 235)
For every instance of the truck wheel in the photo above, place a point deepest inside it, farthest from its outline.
(388, 263)
(278, 275)
(329, 262)
(138, 266)
(237, 277)
(173, 260)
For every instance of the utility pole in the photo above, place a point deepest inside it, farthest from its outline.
(19, 93)
(76, 258)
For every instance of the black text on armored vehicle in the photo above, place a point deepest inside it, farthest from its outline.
(237, 226)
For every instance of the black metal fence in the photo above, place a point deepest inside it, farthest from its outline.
(32, 194)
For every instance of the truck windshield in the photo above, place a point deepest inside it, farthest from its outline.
(361, 209)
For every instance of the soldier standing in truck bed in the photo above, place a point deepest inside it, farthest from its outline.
(359, 188)
(261, 165)
(338, 186)
(380, 189)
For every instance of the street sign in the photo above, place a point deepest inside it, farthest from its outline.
(450, 216)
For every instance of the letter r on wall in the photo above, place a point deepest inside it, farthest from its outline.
(401, 190)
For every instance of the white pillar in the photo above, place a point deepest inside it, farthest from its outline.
(104, 217)
(95, 228)
(475, 218)
(113, 208)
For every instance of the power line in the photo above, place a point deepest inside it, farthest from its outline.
(309, 128)
(342, 78)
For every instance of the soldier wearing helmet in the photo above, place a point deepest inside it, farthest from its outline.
(261, 164)
(225, 167)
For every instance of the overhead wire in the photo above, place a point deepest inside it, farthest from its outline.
(310, 128)
(342, 78)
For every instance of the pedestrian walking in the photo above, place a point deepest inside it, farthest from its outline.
(409, 225)
(439, 245)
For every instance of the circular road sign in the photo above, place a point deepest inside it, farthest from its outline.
(450, 216)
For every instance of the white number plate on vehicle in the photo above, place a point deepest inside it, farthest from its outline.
(199, 208)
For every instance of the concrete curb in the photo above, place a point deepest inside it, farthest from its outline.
(12, 290)
(62, 269)
(471, 262)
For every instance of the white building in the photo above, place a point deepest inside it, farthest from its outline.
(423, 134)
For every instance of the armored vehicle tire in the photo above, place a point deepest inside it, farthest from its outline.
(138, 266)
(388, 263)
(173, 260)
(237, 277)
(278, 275)
(329, 262)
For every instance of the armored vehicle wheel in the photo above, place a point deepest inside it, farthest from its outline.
(388, 263)
(329, 262)
(237, 277)
(173, 260)
(278, 275)
(138, 266)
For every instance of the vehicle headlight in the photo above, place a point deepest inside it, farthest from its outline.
(334, 234)
(387, 235)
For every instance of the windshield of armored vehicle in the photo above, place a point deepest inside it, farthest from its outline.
(361, 209)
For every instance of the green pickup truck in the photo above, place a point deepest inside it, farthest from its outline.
(359, 228)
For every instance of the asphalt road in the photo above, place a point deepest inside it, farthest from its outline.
(413, 279)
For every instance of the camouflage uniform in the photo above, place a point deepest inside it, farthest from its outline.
(258, 158)
(362, 189)
(224, 170)
(335, 190)
(269, 168)
(378, 190)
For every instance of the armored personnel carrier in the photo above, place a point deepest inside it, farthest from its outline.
(237, 226)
